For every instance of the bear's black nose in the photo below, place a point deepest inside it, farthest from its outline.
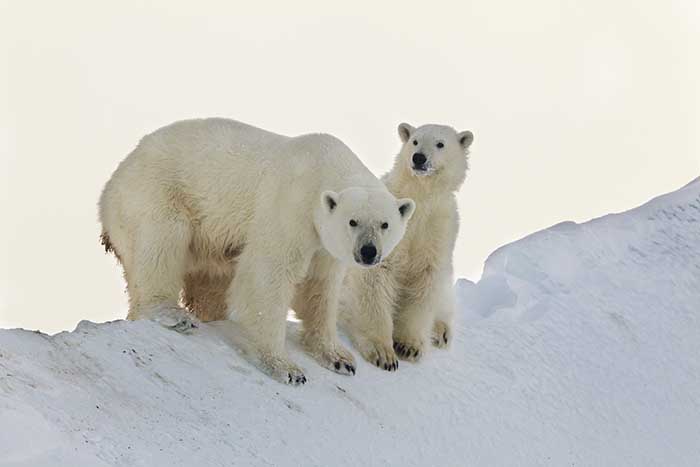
(419, 159)
(368, 253)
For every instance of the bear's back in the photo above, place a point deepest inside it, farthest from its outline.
(221, 162)
(210, 137)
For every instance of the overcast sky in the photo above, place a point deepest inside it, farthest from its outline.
(578, 109)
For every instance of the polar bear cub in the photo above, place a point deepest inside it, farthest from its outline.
(242, 223)
(409, 300)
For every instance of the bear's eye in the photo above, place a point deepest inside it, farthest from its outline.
(385, 226)
(440, 145)
(353, 223)
(415, 142)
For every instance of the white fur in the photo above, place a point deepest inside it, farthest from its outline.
(408, 300)
(239, 223)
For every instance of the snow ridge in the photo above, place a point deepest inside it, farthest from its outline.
(579, 345)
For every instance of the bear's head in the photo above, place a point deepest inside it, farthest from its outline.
(362, 226)
(435, 154)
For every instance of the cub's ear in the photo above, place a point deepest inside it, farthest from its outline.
(405, 131)
(465, 139)
(329, 201)
(406, 208)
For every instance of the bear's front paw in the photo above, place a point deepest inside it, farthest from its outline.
(409, 349)
(380, 354)
(283, 370)
(175, 318)
(442, 334)
(339, 360)
(295, 377)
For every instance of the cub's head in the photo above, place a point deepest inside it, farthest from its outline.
(435, 154)
(361, 226)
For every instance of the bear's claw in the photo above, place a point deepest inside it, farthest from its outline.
(442, 334)
(440, 341)
(348, 367)
(281, 369)
(407, 351)
(390, 366)
(336, 358)
(380, 354)
(296, 379)
(344, 367)
(295, 376)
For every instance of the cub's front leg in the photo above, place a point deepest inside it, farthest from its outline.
(442, 333)
(442, 327)
(410, 334)
(424, 315)
(316, 304)
(426, 304)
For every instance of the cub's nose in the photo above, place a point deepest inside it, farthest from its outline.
(419, 159)
(368, 253)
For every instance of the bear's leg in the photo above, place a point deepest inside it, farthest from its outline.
(258, 298)
(204, 294)
(316, 304)
(366, 315)
(442, 327)
(155, 274)
(422, 298)
(412, 325)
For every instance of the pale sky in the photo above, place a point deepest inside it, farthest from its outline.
(578, 109)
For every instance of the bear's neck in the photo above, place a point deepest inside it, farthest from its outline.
(403, 185)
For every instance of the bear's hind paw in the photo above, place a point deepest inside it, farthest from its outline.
(177, 319)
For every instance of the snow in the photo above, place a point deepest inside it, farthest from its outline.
(580, 345)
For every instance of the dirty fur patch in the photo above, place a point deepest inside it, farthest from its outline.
(104, 240)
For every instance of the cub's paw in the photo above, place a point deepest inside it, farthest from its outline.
(409, 349)
(442, 334)
(380, 354)
(175, 318)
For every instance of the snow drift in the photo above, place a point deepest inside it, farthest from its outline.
(580, 345)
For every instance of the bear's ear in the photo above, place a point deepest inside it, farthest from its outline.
(465, 139)
(329, 200)
(406, 208)
(405, 131)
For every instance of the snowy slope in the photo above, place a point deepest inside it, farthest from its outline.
(579, 346)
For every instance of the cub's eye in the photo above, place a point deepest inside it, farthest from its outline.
(415, 142)
(440, 145)
(353, 223)
(385, 226)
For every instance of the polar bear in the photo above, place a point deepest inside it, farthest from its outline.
(240, 223)
(393, 309)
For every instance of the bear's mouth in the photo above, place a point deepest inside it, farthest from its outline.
(423, 170)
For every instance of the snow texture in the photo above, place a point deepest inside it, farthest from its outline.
(580, 345)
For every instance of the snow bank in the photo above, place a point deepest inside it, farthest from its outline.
(579, 346)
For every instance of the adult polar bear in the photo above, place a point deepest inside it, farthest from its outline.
(246, 222)
(394, 308)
